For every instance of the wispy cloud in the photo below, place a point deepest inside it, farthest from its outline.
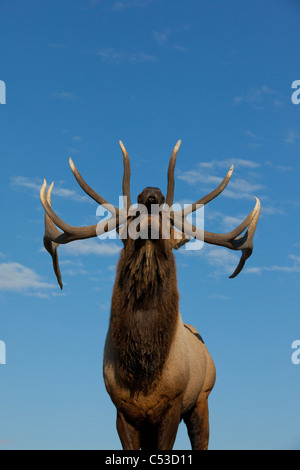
(223, 261)
(35, 184)
(95, 3)
(163, 38)
(242, 189)
(64, 95)
(70, 194)
(124, 5)
(112, 55)
(292, 136)
(282, 269)
(238, 189)
(254, 140)
(14, 277)
(219, 297)
(59, 46)
(107, 54)
(293, 267)
(77, 138)
(228, 162)
(115, 5)
(225, 223)
(257, 97)
(93, 247)
(272, 209)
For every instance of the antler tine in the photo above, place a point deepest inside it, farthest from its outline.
(53, 237)
(127, 175)
(77, 232)
(51, 232)
(247, 240)
(86, 188)
(209, 197)
(171, 175)
(228, 240)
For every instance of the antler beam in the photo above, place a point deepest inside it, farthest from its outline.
(228, 240)
(54, 237)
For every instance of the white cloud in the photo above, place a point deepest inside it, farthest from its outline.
(90, 247)
(237, 188)
(240, 162)
(69, 194)
(258, 96)
(230, 222)
(292, 136)
(179, 48)
(22, 181)
(218, 297)
(161, 38)
(123, 5)
(225, 223)
(63, 47)
(226, 164)
(283, 269)
(109, 54)
(64, 95)
(292, 268)
(224, 261)
(94, 3)
(14, 277)
(242, 189)
(194, 177)
(35, 185)
(271, 210)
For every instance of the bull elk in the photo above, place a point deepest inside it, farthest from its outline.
(157, 370)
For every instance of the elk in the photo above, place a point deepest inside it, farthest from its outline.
(157, 369)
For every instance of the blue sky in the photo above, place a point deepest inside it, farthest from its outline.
(82, 74)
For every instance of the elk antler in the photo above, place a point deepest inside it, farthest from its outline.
(231, 240)
(54, 237)
(126, 177)
(171, 176)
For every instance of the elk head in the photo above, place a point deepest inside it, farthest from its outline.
(180, 230)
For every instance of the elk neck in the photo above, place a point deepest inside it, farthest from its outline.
(144, 312)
